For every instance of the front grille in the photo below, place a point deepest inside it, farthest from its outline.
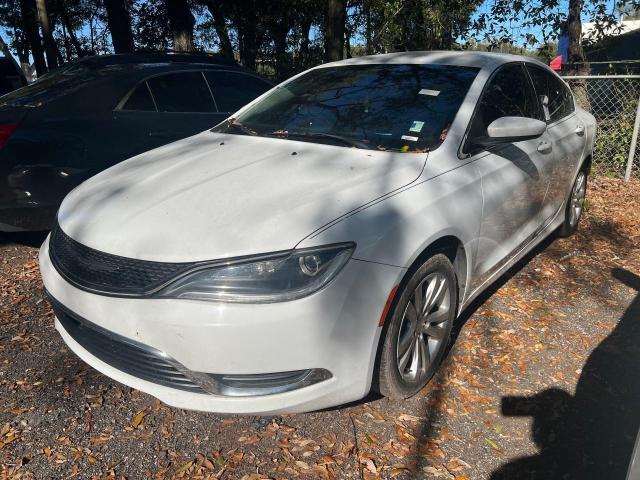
(126, 355)
(97, 271)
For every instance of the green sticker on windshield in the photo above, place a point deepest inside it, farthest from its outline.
(416, 126)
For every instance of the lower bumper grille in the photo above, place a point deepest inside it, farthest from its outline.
(152, 365)
(123, 354)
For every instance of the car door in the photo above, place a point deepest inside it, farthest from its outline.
(515, 176)
(165, 108)
(566, 131)
(233, 90)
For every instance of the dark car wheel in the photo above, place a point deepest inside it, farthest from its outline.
(575, 205)
(418, 330)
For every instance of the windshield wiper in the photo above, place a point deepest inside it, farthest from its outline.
(344, 140)
(232, 122)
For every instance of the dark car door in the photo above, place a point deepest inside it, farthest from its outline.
(165, 108)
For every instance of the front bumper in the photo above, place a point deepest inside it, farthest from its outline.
(335, 329)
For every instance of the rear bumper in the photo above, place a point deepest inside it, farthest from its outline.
(21, 218)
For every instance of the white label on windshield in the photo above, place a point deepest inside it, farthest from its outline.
(416, 126)
(410, 138)
(426, 91)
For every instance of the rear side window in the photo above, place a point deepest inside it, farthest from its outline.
(181, 92)
(560, 99)
(508, 94)
(233, 90)
(140, 99)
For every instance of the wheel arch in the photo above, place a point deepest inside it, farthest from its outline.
(453, 248)
(587, 163)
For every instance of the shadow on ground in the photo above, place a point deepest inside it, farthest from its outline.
(590, 434)
(27, 239)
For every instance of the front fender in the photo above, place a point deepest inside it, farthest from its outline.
(398, 229)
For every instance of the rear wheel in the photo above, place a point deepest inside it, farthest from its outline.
(418, 329)
(575, 205)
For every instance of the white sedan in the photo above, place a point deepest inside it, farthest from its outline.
(322, 241)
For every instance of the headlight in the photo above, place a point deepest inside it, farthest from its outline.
(264, 279)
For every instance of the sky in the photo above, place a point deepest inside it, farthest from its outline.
(518, 32)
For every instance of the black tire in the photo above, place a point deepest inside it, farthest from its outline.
(571, 216)
(388, 379)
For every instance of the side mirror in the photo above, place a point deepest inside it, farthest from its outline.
(511, 129)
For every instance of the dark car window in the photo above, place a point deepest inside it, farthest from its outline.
(61, 81)
(560, 100)
(11, 77)
(508, 94)
(233, 90)
(181, 92)
(140, 99)
(399, 107)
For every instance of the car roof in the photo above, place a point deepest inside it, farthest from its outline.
(159, 59)
(482, 60)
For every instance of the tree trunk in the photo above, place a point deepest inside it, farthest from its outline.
(67, 46)
(119, 21)
(220, 25)
(305, 29)
(576, 60)
(347, 42)
(50, 47)
(5, 48)
(251, 32)
(181, 23)
(282, 61)
(248, 36)
(21, 45)
(367, 15)
(66, 23)
(29, 13)
(574, 32)
(74, 39)
(334, 30)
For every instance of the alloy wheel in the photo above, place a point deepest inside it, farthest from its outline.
(577, 199)
(423, 329)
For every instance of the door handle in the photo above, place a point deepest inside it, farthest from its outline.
(579, 130)
(544, 147)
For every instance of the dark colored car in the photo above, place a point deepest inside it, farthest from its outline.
(11, 75)
(90, 114)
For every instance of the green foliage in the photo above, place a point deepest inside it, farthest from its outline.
(542, 20)
(613, 140)
(150, 25)
(280, 38)
(402, 25)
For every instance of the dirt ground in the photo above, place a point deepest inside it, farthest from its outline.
(542, 382)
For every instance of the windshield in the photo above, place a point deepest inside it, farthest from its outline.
(405, 108)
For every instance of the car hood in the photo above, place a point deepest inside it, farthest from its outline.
(216, 196)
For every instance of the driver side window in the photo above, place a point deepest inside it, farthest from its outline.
(508, 94)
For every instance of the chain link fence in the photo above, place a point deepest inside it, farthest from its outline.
(615, 102)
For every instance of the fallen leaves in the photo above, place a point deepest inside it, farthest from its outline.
(139, 417)
(62, 419)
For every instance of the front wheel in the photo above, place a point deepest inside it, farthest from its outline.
(418, 330)
(575, 205)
